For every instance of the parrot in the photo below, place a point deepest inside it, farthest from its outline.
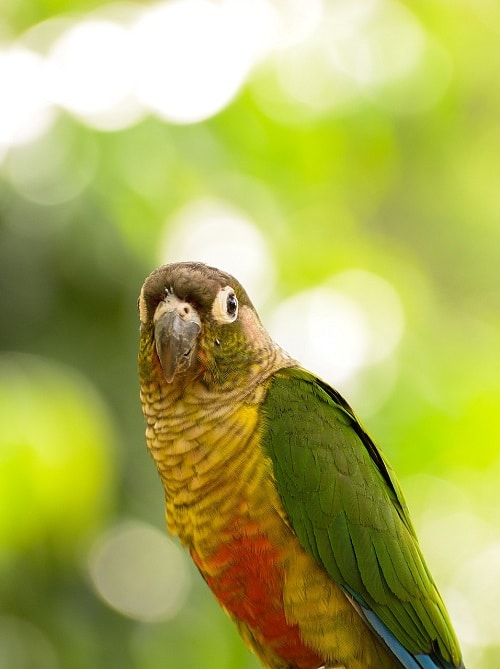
(290, 512)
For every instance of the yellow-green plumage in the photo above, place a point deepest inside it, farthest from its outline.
(260, 484)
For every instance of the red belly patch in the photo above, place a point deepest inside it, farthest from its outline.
(246, 576)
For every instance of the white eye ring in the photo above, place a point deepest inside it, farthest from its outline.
(225, 306)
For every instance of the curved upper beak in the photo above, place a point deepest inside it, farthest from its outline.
(176, 329)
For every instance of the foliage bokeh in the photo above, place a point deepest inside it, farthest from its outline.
(393, 178)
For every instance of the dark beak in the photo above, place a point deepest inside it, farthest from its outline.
(177, 326)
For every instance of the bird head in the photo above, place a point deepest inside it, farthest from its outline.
(198, 322)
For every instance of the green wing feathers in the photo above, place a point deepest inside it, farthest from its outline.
(347, 510)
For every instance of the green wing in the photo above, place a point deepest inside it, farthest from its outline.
(346, 507)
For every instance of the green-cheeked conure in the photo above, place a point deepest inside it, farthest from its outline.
(289, 510)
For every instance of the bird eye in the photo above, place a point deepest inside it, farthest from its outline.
(231, 305)
(225, 306)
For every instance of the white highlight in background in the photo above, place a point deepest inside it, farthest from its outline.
(91, 68)
(336, 329)
(193, 56)
(139, 571)
(26, 110)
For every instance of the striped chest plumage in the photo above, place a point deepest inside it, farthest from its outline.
(222, 503)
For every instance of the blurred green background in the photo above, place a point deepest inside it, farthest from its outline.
(339, 157)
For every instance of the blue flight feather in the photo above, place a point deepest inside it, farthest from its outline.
(407, 659)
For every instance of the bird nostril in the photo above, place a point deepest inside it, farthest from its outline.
(184, 310)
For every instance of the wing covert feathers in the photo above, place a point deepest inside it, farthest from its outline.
(346, 507)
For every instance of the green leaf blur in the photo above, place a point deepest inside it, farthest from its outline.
(346, 173)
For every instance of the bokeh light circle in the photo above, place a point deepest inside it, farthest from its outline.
(336, 329)
(190, 59)
(139, 571)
